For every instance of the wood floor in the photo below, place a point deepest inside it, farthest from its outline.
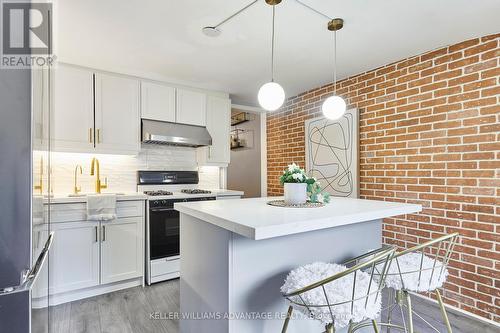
(129, 311)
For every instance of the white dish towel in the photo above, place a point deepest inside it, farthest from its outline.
(101, 207)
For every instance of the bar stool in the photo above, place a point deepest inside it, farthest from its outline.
(336, 295)
(422, 268)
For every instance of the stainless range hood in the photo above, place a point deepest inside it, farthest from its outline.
(165, 133)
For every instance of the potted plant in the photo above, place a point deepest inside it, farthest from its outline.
(295, 181)
(299, 188)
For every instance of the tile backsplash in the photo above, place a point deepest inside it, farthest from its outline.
(121, 170)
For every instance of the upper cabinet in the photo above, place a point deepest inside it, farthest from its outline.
(157, 101)
(73, 109)
(191, 107)
(116, 114)
(95, 112)
(218, 121)
(100, 112)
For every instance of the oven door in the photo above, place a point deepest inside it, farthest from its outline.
(163, 233)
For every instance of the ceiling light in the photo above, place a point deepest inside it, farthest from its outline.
(334, 106)
(271, 95)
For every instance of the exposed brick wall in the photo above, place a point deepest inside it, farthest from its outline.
(429, 134)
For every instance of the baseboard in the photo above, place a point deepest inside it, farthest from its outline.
(455, 310)
(76, 295)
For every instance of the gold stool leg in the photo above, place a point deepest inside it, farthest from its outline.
(349, 328)
(330, 328)
(375, 326)
(410, 313)
(287, 319)
(443, 311)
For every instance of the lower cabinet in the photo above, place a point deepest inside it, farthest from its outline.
(74, 257)
(87, 254)
(121, 250)
(89, 258)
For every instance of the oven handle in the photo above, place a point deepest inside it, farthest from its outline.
(160, 209)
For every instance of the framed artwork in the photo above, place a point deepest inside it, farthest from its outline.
(332, 153)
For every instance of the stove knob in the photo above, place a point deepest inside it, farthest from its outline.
(155, 203)
(164, 202)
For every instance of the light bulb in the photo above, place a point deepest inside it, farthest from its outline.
(334, 107)
(271, 96)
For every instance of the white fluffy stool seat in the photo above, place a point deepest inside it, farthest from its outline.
(409, 265)
(338, 291)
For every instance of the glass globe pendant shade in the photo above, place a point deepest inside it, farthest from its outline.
(334, 107)
(271, 96)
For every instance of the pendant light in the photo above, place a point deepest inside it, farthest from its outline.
(334, 107)
(271, 95)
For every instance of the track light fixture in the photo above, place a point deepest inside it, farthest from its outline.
(271, 95)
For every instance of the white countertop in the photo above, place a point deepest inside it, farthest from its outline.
(58, 199)
(254, 219)
(226, 193)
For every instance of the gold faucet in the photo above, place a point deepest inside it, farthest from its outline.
(77, 189)
(39, 187)
(98, 185)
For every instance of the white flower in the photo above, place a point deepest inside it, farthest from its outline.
(292, 167)
(320, 198)
(297, 176)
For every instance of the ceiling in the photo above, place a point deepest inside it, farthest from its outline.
(162, 39)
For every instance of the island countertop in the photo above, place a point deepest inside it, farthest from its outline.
(255, 219)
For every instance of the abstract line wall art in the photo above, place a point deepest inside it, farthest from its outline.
(332, 153)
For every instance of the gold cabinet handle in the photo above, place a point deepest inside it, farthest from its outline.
(91, 140)
(98, 135)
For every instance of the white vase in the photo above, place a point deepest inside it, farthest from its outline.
(295, 193)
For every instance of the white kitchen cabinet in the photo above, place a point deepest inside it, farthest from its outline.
(94, 112)
(121, 250)
(157, 101)
(191, 107)
(90, 258)
(73, 109)
(117, 119)
(74, 256)
(218, 125)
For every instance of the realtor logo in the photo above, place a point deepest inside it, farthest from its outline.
(26, 34)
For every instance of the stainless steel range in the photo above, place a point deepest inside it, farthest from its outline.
(163, 189)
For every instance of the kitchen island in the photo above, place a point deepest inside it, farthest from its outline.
(236, 254)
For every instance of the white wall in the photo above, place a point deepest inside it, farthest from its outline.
(121, 170)
(244, 172)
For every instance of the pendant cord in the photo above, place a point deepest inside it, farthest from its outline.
(272, 48)
(335, 63)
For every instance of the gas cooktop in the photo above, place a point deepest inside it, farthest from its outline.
(195, 191)
(157, 193)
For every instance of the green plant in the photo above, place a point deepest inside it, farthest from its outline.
(315, 193)
(294, 174)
